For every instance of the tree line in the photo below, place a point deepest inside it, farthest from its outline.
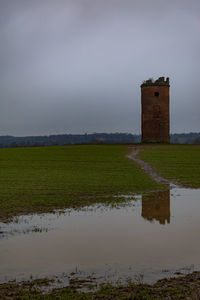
(85, 139)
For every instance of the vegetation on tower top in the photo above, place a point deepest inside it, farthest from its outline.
(159, 82)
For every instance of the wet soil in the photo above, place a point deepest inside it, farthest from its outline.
(183, 287)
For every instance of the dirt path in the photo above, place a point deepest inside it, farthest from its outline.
(147, 168)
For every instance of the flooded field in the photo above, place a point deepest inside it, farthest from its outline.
(152, 237)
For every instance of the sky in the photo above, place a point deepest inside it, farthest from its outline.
(75, 66)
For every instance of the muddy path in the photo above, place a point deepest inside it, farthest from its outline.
(147, 168)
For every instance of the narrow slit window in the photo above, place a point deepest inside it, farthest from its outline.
(156, 94)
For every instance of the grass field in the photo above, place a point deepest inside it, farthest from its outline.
(42, 178)
(179, 163)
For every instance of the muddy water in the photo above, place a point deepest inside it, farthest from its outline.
(154, 235)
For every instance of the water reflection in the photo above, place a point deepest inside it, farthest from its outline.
(113, 242)
(157, 207)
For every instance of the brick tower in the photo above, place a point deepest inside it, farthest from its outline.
(155, 110)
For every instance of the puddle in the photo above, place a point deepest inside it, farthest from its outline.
(152, 237)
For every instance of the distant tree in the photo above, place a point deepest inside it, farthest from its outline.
(197, 141)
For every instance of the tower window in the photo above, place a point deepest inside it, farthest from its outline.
(156, 94)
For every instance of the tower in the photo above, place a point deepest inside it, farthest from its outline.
(155, 110)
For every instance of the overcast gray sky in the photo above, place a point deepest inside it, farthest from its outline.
(75, 66)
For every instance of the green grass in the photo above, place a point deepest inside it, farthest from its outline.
(179, 163)
(43, 178)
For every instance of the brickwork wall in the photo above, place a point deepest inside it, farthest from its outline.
(155, 113)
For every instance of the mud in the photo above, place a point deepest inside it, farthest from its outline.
(183, 287)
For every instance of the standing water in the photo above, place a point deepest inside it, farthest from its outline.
(154, 235)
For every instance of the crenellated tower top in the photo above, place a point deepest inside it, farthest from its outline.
(159, 82)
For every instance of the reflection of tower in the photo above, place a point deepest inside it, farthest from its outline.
(155, 110)
(156, 207)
